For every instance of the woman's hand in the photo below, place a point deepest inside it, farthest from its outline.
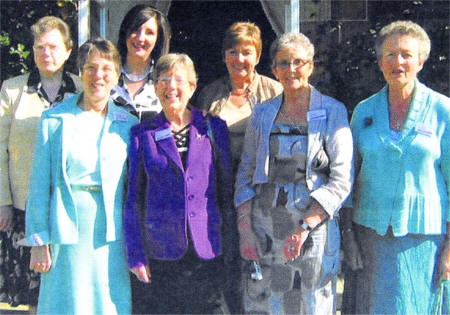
(294, 243)
(41, 258)
(248, 242)
(6, 217)
(443, 263)
(142, 273)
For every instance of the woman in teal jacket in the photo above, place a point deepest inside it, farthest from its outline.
(401, 194)
(74, 207)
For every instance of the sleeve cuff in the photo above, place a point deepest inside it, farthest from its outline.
(36, 239)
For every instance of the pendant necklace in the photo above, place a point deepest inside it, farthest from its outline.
(397, 117)
(137, 77)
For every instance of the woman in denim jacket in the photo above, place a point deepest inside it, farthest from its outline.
(295, 172)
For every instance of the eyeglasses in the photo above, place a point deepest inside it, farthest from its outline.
(297, 63)
(178, 80)
(42, 48)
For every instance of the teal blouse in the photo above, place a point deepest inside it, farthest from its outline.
(404, 182)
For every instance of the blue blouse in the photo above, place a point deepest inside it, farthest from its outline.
(404, 182)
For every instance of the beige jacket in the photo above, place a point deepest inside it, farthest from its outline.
(214, 97)
(20, 112)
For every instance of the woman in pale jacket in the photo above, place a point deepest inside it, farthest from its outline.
(23, 99)
(295, 172)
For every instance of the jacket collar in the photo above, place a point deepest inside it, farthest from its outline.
(34, 85)
(315, 103)
(69, 107)
(160, 126)
(418, 109)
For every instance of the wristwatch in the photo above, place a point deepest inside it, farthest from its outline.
(305, 225)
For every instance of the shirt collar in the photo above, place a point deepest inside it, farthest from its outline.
(34, 85)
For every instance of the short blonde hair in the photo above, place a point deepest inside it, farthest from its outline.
(48, 23)
(242, 33)
(291, 39)
(175, 59)
(404, 28)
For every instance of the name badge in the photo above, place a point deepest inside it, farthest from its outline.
(163, 134)
(423, 129)
(120, 117)
(319, 114)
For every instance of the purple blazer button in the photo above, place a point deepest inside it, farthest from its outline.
(190, 197)
(192, 214)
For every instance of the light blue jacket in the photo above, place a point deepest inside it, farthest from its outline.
(403, 183)
(328, 133)
(50, 212)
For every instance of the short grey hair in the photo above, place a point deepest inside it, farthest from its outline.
(291, 39)
(404, 28)
(168, 61)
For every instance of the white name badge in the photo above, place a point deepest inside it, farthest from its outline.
(319, 114)
(423, 129)
(120, 117)
(163, 134)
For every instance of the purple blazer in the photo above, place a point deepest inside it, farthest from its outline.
(164, 198)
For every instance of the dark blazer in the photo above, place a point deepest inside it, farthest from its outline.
(164, 198)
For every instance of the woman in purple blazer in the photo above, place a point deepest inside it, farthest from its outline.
(177, 213)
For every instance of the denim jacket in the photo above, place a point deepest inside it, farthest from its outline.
(329, 138)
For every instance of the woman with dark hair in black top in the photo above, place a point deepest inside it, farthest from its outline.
(144, 36)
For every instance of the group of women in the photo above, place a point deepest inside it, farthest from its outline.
(126, 172)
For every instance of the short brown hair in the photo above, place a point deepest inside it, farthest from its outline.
(104, 47)
(48, 23)
(242, 33)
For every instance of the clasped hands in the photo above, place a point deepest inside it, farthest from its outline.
(249, 245)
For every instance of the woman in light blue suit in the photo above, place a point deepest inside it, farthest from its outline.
(74, 208)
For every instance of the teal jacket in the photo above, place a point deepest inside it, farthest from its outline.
(404, 183)
(50, 212)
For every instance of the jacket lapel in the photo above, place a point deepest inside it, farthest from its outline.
(198, 141)
(415, 115)
(162, 136)
(65, 114)
(316, 123)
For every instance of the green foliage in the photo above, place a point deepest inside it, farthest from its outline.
(15, 37)
(4, 39)
(23, 54)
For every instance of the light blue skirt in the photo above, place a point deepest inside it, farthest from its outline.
(404, 274)
(90, 277)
